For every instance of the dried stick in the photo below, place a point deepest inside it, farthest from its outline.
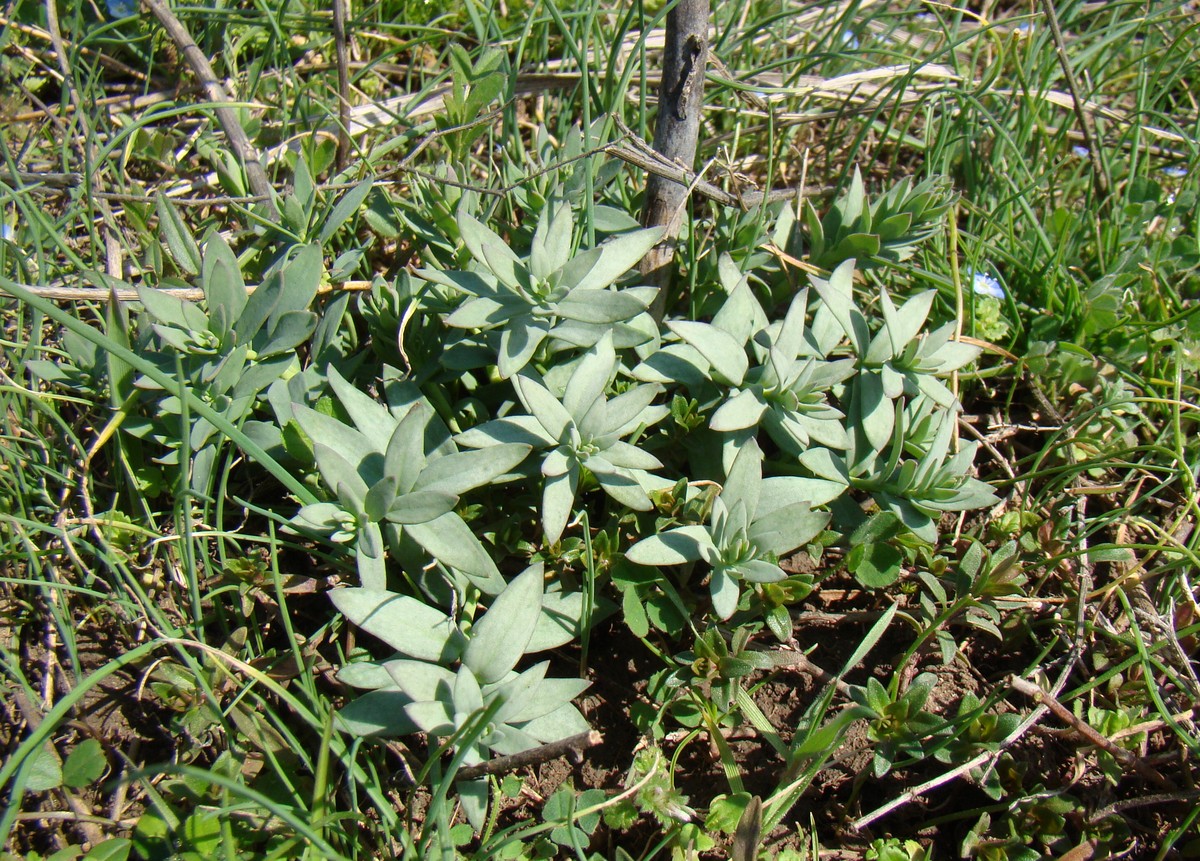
(573, 745)
(676, 132)
(190, 294)
(339, 40)
(256, 175)
(1083, 728)
(1087, 123)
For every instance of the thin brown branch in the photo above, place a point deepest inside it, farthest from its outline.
(339, 40)
(1089, 734)
(1087, 123)
(572, 746)
(256, 175)
(190, 294)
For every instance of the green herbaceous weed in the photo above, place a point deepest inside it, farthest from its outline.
(369, 508)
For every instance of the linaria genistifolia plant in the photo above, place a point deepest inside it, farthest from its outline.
(899, 365)
(551, 298)
(417, 691)
(890, 229)
(783, 388)
(231, 349)
(398, 471)
(581, 430)
(753, 522)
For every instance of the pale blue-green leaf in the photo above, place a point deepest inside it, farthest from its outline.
(921, 524)
(551, 247)
(377, 713)
(365, 674)
(289, 331)
(371, 567)
(450, 541)
(617, 256)
(783, 490)
(506, 266)
(420, 680)
(907, 322)
(337, 474)
(404, 454)
(180, 243)
(826, 465)
(380, 498)
(725, 593)
(599, 307)
(559, 623)
(499, 639)
(558, 497)
(558, 462)
(837, 294)
(346, 207)
(514, 692)
(561, 723)
(590, 378)
(298, 283)
(725, 355)
(420, 506)
(320, 516)
(613, 219)
(550, 696)
(471, 283)
(406, 624)
(675, 365)
(620, 485)
(744, 482)
(518, 342)
(674, 547)
(787, 528)
(473, 797)
(954, 355)
(328, 431)
(172, 311)
(466, 470)
(876, 414)
(622, 454)
(370, 417)
(880, 350)
(431, 716)
(467, 696)
(482, 312)
(741, 315)
(521, 430)
(745, 409)
(221, 277)
(630, 410)
(937, 391)
(482, 242)
(551, 414)
(507, 740)
(892, 381)
(576, 270)
(759, 571)
(637, 332)
(790, 342)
